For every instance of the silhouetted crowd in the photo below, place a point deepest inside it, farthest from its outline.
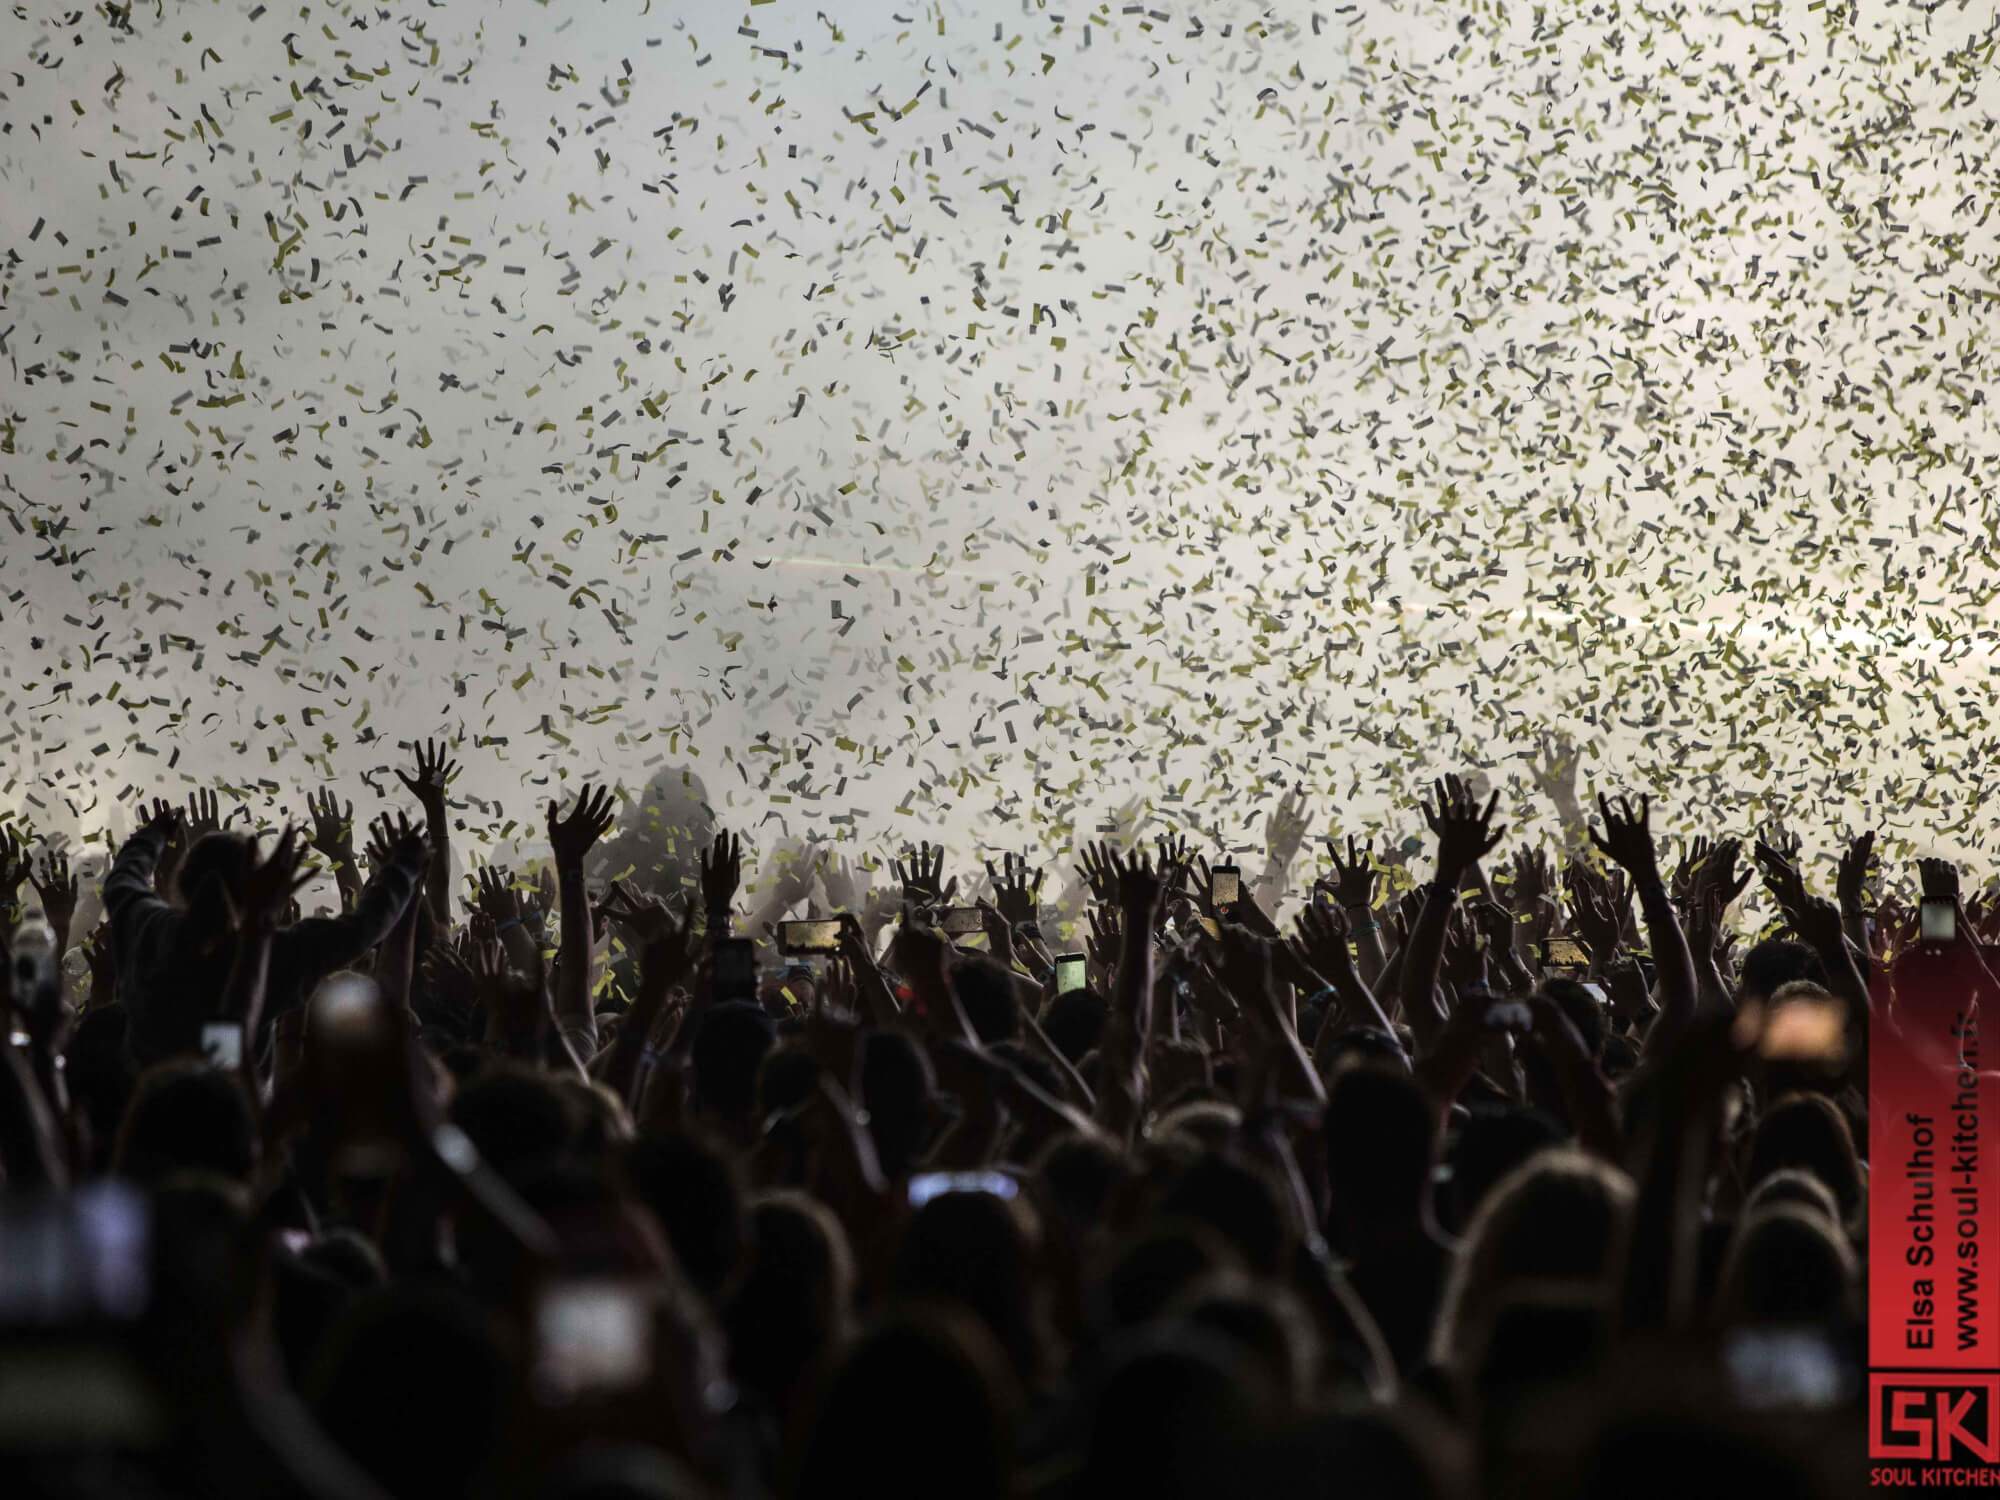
(1466, 1167)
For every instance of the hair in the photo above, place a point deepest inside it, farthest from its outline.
(218, 854)
(1809, 1132)
(1792, 1185)
(790, 1310)
(1381, 1137)
(693, 1188)
(1787, 1264)
(1490, 1141)
(1198, 1123)
(1582, 1012)
(1074, 1021)
(1176, 1409)
(991, 1000)
(517, 1116)
(785, 1079)
(414, 1384)
(186, 1116)
(1265, 1321)
(1080, 1175)
(1776, 962)
(922, 1404)
(729, 1048)
(1561, 1216)
(1146, 1273)
(978, 1250)
(896, 1089)
(1239, 1202)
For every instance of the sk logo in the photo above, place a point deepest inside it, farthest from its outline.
(1941, 1416)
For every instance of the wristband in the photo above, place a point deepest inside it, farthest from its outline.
(1359, 928)
(510, 922)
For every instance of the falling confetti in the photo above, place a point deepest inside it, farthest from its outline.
(933, 420)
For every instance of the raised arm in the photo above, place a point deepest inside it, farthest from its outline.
(1465, 835)
(434, 773)
(319, 945)
(571, 839)
(55, 888)
(1627, 840)
(333, 840)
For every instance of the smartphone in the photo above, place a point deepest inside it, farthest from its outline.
(1510, 1015)
(75, 1278)
(814, 938)
(1225, 885)
(1786, 1369)
(1072, 972)
(222, 1045)
(592, 1337)
(1597, 995)
(1563, 953)
(1938, 922)
(74, 1258)
(957, 921)
(928, 1185)
(735, 970)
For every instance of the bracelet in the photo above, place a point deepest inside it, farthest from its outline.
(1360, 929)
(510, 922)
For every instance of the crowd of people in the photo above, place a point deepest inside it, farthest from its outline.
(1491, 1169)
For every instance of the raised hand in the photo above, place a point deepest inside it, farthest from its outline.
(1465, 831)
(261, 892)
(204, 814)
(1320, 940)
(15, 861)
(494, 893)
(1099, 872)
(1782, 879)
(573, 837)
(1718, 873)
(1106, 935)
(842, 881)
(922, 875)
(332, 826)
(1352, 883)
(1494, 922)
(1938, 880)
(391, 835)
(1142, 890)
(1534, 878)
(1017, 890)
(1554, 773)
(1783, 840)
(435, 770)
(646, 919)
(1597, 908)
(1627, 839)
(1687, 869)
(1285, 829)
(721, 875)
(1857, 863)
(55, 886)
